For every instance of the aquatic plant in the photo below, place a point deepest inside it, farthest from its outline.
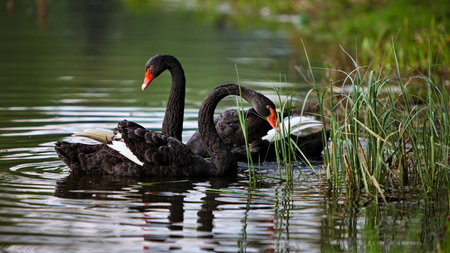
(384, 137)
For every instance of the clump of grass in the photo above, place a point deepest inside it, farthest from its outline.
(253, 176)
(288, 153)
(286, 150)
(383, 136)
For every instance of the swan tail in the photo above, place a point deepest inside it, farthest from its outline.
(101, 135)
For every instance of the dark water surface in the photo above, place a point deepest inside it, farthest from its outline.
(71, 65)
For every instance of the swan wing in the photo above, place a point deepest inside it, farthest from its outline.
(295, 124)
(298, 130)
(161, 154)
(106, 136)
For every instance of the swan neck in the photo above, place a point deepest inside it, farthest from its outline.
(173, 118)
(221, 156)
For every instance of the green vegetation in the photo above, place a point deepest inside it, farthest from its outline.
(253, 176)
(288, 153)
(390, 129)
(386, 138)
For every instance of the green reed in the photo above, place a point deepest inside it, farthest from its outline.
(253, 176)
(288, 153)
(385, 136)
(388, 133)
(284, 149)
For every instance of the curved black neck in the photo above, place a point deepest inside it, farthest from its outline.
(221, 156)
(173, 118)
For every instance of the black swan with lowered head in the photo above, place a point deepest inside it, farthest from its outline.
(136, 151)
(261, 136)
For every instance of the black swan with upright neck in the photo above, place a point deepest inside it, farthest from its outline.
(136, 151)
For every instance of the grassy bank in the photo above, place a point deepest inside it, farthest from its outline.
(418, 29)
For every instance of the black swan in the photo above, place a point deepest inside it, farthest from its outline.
(262, 137)
(136, 151)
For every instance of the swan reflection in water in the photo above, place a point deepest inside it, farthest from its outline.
(185, 213)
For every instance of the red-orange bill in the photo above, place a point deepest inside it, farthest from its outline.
(147, 79)
(272, 119)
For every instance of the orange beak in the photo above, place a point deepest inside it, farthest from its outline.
(147, 79)
(272, 119)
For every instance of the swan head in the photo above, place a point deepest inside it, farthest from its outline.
(155, 66)
(266, 109)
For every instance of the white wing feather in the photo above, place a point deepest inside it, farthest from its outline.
(125, 151)
(292, 125)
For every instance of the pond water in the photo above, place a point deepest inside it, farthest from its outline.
(71, 65)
